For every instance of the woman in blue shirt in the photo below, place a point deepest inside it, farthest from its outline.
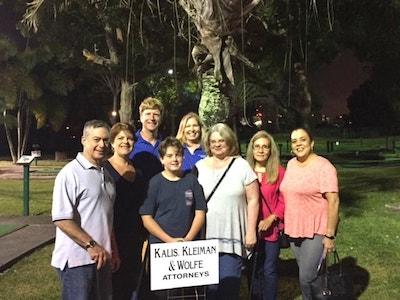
(189, 134)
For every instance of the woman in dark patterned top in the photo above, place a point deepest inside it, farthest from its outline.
(128, 228)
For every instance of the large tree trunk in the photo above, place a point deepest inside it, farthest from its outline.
(214, 105)
(9, 139)
(19, 132)
(26, 131)
(228, 90)
(23, 126)
(304, 96)
(125, 111)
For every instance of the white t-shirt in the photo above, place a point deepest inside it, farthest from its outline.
(227, 208)
(83, 193)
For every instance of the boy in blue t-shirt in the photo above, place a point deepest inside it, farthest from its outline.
(175, 207)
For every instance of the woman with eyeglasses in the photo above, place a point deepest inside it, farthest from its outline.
(311, 193)
(263, 157)
(232, 209)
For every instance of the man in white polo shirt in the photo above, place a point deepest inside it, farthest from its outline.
(82, 210)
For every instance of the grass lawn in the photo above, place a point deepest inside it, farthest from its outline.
(11, 191)
(32, 278)
(8, 228)
(11, 203)
(368, 239)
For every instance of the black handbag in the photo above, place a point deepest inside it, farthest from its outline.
(255, 271)
(283, 240)
(332, 282)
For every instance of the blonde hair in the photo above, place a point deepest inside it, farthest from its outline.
(151, 103)
(227, 134)
(180, 135)
(272, 163)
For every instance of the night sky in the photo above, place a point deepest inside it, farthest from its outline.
(336, 81)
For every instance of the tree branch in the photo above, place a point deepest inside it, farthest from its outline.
(97, 59)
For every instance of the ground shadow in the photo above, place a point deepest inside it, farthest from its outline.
(360, 276)
(288, 282)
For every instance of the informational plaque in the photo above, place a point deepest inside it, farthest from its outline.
(25, 160)
(183, 264)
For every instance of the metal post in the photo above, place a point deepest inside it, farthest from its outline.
(26, 190)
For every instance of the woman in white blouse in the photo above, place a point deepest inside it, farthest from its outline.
(232, 209)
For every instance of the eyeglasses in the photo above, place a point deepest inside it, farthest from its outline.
(263, 147)
(213, 142)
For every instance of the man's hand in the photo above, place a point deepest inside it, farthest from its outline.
(99, 255)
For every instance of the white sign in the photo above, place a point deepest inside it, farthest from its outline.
(25, 160)
(183, 264)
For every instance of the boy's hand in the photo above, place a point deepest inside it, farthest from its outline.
(177, 240)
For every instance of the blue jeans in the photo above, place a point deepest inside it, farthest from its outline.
(308, 253)
(230, 270)
(85, 283)
(271, 250)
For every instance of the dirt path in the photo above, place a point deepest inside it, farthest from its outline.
(17, 172)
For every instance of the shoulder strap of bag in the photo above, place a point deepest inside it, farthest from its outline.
(195, 171)
(266, 203)
(223, 175)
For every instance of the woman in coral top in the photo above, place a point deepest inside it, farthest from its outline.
(263, 156)
(310, 189)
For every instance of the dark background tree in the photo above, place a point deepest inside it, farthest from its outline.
(372, 30)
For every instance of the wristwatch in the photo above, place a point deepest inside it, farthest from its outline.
(331, 237)
(90, 244)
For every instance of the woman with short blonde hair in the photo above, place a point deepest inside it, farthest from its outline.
(232, 207)
(228, 136)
